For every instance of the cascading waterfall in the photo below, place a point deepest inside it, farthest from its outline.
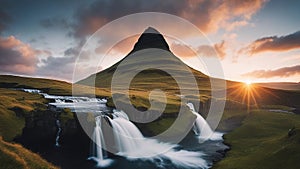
(120, 113)
(127, 138)
(58, 133)
(133, 145)
(202, 129)
(98, 150)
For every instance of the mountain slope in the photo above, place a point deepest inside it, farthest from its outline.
(143, 55)
(150, 54)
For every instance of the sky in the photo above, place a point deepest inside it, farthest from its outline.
(255, 40)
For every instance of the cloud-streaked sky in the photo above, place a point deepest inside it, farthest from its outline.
(257, 40)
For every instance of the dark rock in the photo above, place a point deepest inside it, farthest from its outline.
(151, 38)
(68, 101)
(292, 132)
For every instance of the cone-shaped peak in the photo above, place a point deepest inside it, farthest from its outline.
(151, 38)
(151, 30)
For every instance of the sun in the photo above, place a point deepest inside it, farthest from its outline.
(248, 82)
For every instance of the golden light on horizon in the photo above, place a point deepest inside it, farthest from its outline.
(245, 92)
(248, 82)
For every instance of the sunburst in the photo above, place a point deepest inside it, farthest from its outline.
(246, 92)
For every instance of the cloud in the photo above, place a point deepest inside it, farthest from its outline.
(208, 15)
(218, 49)
(57, 67)
(221, 49)
(182, 50)
(5, 19)
(18, 57)
(55, 22)
(123, 47)
(274, 43)
(281, 72)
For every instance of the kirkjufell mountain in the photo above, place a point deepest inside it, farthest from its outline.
(151, 54)
(149, 39)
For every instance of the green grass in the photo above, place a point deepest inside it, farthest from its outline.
(14, 156)
(258, 140)
(50, 86)
(14, 106)
(262, 142)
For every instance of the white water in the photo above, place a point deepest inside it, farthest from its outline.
(130, 142)
(75, 103)
(117, 113)
(99, 155)
(202, 129)
(133, 145)
(58, 133)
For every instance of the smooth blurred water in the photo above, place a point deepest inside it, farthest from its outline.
(137, 151)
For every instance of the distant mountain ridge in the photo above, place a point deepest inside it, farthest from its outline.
(281, 85)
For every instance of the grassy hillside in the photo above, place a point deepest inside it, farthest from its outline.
(264, 142)
(50, 86)
(256, 135)
(14, 106)
(47, 85)
(14, 156)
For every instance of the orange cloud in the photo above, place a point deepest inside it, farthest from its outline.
(123, 47)
(182, 50)
(221, 49)
(17, 57)
(273, 43)
(217, 50)
(208, 15)
(281, 72)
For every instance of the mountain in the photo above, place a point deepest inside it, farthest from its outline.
(150, 53)
(149, 39)
(142, 69)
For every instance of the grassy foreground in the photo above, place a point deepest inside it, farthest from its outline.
(259, 139)
(14, 156)
(14, 106)
(263, 142)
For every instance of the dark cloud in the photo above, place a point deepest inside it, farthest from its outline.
(281, 72)
(55, 22)
(71, 52)
(208, 15)
(5, 19)
(57, 67)
(17, 57)
(274, 43)
(63, 67)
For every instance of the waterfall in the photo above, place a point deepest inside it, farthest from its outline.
(202, 129)
(120, 113)
(131, 144)
(98, 150)
(58, 133)
(126, 139)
